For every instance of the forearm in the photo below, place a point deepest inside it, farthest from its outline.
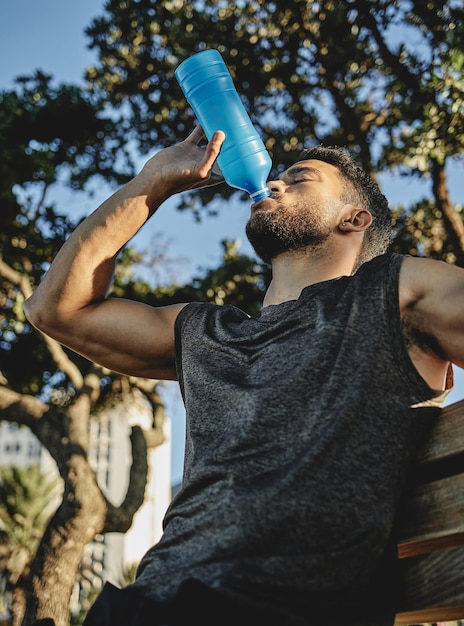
(82, 271)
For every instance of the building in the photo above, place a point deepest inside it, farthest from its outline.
(110, 554)
(19, 447)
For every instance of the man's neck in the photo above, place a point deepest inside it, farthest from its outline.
(292, 272)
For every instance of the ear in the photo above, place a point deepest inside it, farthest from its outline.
(354, 219)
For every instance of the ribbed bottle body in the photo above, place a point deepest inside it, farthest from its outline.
(210, 91)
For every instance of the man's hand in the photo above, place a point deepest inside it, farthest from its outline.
(187, 165)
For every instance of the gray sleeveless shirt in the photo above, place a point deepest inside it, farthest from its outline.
(300, 427)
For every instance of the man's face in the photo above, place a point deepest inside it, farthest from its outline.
(302, 211)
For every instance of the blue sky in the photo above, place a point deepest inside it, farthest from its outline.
(45, 34)
(49, 35)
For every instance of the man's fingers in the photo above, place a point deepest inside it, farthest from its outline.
(212, 150)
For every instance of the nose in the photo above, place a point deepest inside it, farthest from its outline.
(276, 186)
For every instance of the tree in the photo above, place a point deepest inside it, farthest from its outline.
(383, 78)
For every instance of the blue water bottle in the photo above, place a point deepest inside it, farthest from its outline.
(210, 91)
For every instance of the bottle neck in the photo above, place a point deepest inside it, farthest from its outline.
(260, 194)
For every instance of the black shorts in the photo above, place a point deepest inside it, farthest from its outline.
(194, 603)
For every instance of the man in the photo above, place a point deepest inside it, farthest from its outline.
(301, 423)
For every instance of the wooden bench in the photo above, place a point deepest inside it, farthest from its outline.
(431, 538)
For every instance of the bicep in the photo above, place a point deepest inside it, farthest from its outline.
(124, 336)
(432, 301)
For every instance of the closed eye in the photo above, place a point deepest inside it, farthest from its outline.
(304, 174)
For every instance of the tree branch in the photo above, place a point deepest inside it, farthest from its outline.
(20, 408)
(21, 280)
(453, 221)
(119, 518)
(155, 436)
(62, 361)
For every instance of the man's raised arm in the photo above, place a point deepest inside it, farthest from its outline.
(71, 303)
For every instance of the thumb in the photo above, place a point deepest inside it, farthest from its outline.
(212, 151)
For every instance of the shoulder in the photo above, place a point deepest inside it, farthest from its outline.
(431, 295)
(389, 262)
(208, 312)
(423, 282)
(381, 275)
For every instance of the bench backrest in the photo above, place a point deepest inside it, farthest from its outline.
(431, 529)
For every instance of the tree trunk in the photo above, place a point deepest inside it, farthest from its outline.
(53, 573)
(453, 221)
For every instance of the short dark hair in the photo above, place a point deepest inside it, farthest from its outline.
(362, 191)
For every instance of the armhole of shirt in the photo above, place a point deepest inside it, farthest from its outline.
(179, 324)
(399, 347)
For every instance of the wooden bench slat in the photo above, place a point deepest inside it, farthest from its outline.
(430, 616)
(433, 587)
(447, 435)
(432, 516)
(431, 527)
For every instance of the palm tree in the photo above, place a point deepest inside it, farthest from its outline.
(28, 498)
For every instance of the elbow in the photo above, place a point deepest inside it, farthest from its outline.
(37, 314)
(46, 315)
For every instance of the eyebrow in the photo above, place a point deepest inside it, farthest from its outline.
(296, 170)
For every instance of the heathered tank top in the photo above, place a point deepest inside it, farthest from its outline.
(301, 424)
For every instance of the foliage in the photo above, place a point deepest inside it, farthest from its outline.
(382, 77)
(421, 232)
(331, 72)
(48, 135)
(28, 498)
(51, 134)
(240, 281)
(87, 598)
(128, 575)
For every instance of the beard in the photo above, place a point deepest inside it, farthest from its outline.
(274, 231)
